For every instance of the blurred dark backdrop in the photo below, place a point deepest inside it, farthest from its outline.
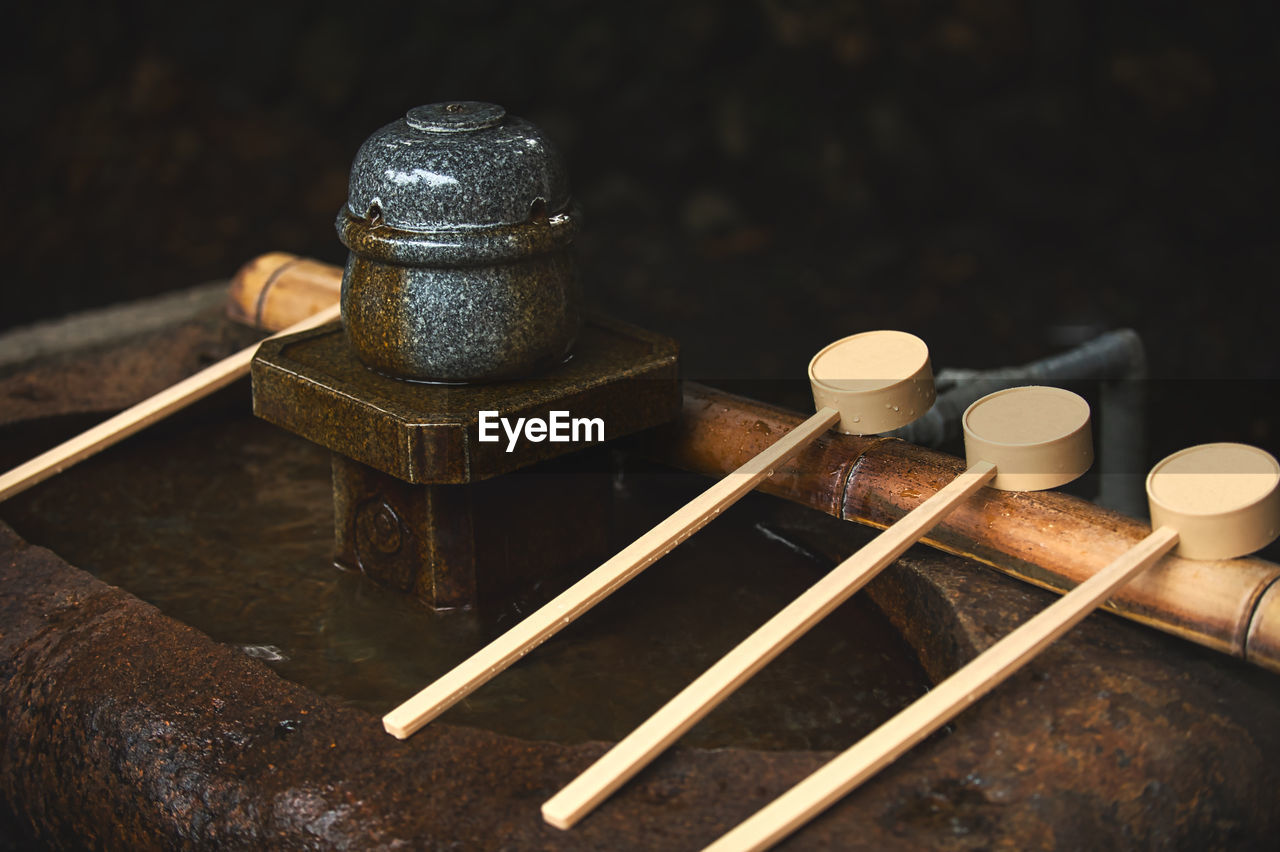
(1000, 176)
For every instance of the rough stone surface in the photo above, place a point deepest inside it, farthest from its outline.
(124, 729)
(108, 375)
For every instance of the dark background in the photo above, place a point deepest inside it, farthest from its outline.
(1001, 177)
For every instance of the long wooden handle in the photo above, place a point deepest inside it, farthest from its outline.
(717, 683)
(600, 583)
(143, 414)
(885, 744)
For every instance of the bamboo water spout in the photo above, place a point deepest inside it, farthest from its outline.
(1049, 539)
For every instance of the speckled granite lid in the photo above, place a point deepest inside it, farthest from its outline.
(456, 166)
(460, 228)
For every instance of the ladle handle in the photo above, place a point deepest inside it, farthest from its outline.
(885, 744)
(717, 683)
(600, 583)
(143, 414)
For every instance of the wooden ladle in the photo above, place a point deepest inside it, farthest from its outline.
(1026, 438)
(889, 383)
(1212, 501)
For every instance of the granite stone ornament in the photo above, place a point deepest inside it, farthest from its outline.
(459, 223)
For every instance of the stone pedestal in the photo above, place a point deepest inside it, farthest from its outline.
(421, 503)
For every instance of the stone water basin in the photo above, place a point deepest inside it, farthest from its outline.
(215, 682)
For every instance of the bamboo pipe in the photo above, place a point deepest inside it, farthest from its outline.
(275, 290)
(1045, 538)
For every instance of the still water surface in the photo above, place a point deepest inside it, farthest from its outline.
(225, 523)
